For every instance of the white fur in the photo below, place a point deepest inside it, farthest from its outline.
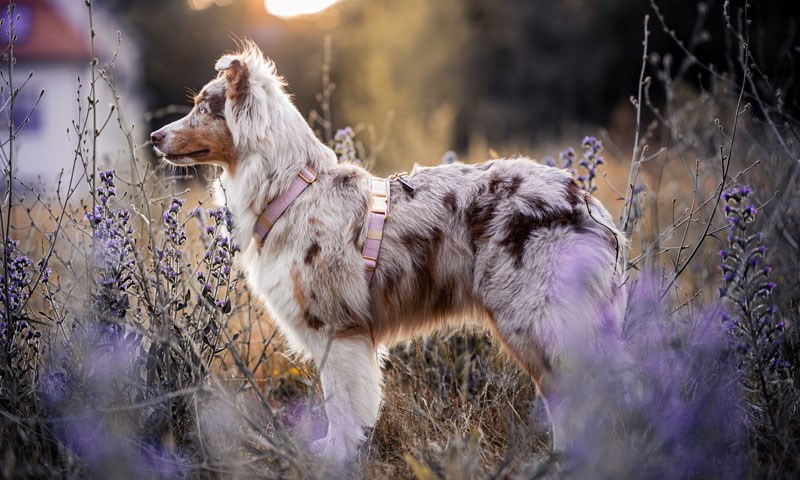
(511, 242)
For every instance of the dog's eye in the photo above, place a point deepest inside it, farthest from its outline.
(202, 110)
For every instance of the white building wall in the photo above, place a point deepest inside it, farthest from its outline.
(45, 147)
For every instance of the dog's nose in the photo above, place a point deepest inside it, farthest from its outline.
(157, 136)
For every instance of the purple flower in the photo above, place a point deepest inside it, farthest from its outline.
(755, 333)
(588, 162)
(345, 147)
(567, 157)
(44, 269)
(113, 257)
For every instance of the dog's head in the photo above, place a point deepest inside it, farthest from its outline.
(230, 113)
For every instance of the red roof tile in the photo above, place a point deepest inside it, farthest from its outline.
(44, 34)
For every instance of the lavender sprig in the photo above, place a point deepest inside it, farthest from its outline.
(15, 326)
(217, 258)
(114, 262)
(170, 256)
(588, 162)
(746, 290)
(753, 332)
(345, 146)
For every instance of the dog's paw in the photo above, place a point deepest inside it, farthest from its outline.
(336, 450)
(329, 449)
(317, 447)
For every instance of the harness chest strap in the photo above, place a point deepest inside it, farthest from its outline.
(275, 208)
(379, 190)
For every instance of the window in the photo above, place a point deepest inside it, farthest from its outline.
(23, 108)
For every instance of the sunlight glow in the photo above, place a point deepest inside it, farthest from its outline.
(293, 8)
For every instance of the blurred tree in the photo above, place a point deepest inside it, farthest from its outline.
(452, 71)
(405, 58)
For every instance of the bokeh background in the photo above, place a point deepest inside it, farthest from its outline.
(465, 75)
(416, 77)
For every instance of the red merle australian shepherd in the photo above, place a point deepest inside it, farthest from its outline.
(511, 243)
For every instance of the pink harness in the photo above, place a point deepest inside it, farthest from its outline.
(379, 189)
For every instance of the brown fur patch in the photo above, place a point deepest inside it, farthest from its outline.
(573, 192)
(495, 183)
(237, 82)
(450, 201)
(516, 182)
(213, 136)
(443, 299)
(434, 244)
(216, 102)
(227, 150)
(424, 250)
(353, 331)
(518, 230)
(479, 216)
(311, 253)
(297, 289)
(500, 184)
(298, 293)
(313, 321)
(345, 179)
(392, 276)
(355, 325)
(521, 225)
(535, 203)
(533, 360)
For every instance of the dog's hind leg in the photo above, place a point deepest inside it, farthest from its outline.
(351, 382)
(554, 311)
(531, 355)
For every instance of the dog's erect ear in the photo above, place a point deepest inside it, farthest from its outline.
(252, 87)
(227, 62)
(236, 76)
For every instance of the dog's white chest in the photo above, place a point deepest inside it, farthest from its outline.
(270, 277)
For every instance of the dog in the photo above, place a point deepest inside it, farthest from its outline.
(510, 243)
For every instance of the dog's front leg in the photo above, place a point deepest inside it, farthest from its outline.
(351, 382)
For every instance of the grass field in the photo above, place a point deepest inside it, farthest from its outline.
(130, 346)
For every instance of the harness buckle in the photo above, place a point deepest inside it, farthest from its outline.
(405, 183)
(370, 263)
(310, 171)
(378, 205)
